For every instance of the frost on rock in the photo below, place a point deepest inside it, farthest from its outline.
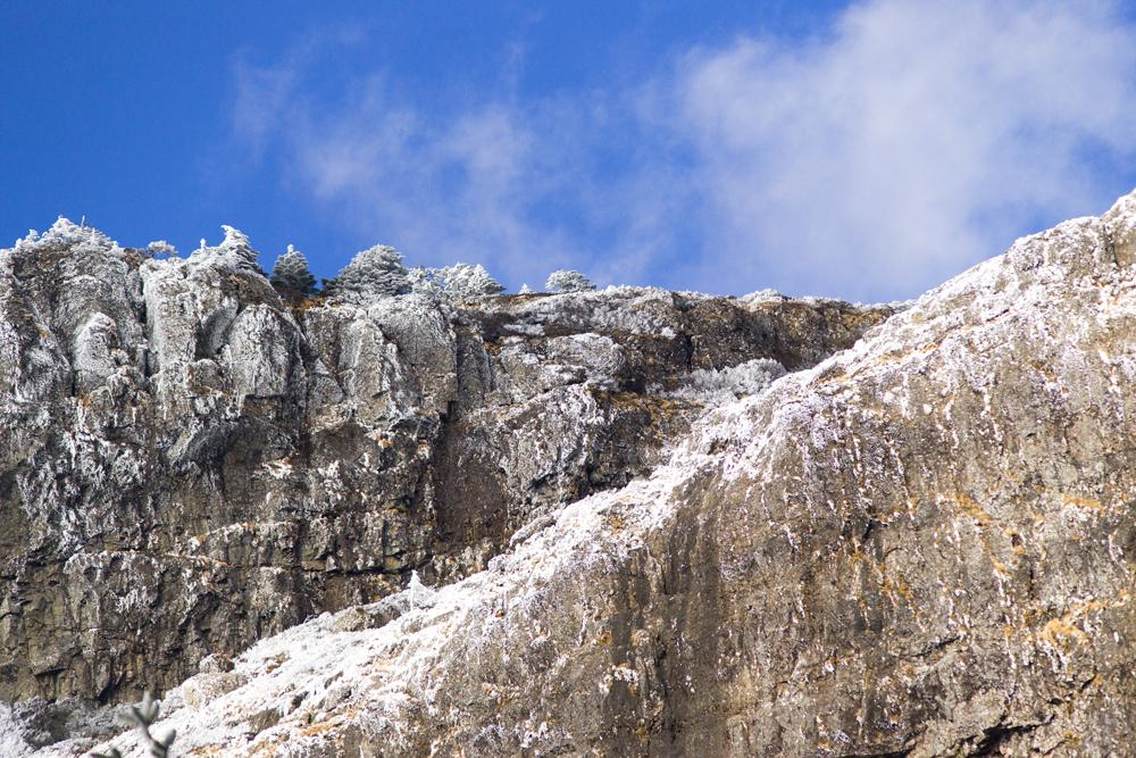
(920, 546)
(566, 280)
(171, 433)
(44, 727)
(161, 247)
(12, 742)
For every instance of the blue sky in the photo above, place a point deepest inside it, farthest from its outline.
(865, 150)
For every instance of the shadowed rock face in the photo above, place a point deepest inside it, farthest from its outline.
(188, 464)
(922, 546)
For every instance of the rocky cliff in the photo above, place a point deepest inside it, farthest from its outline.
(921, 546)
(189, 463)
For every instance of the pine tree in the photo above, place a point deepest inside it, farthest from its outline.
(566, 280)
(375, 271)
(236, 244)
(291, 275)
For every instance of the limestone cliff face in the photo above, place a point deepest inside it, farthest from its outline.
(922, 546)
(189, 464)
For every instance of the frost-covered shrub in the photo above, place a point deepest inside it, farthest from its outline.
(461, 281)
(234, 252)
(291, 275)
(65, 233)
(466, 280)
(722, 385)
(762, 296)
(377, 270)
(525, 289)
(566, 280)
(161, 247)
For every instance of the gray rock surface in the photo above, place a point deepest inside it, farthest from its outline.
(922, 546)
(189, 464)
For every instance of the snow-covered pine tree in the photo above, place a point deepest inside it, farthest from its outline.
(291, 275)
(236, 245)
(468, 280)
(566, 280)
(377, 270)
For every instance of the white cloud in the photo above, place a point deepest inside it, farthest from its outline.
(912, 141)
(908, 141)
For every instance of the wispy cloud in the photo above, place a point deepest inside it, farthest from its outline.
(911, 141)
(902, 144)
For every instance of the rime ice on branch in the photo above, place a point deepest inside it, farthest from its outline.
(566, 280)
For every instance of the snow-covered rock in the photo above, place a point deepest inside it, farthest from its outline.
(190, 463)
(922, 546)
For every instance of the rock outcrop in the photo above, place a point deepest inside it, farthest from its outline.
(922, 546)
(189, 463)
